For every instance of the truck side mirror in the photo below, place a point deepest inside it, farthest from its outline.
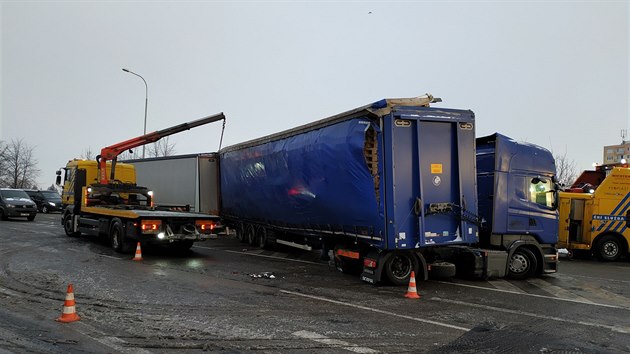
(58, 180)
(537, 180)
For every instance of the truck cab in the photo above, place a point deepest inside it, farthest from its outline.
(517, 192)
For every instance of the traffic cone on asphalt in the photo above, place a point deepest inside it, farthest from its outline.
(138, 256)
(412, 293)
(69, 313)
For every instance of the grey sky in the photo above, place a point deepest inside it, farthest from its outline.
(551, 73)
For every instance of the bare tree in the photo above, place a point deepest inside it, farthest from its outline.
(19, 165)
(566, 170)
(160, 148)
(3, 169)
(87, 154)
(129, 155)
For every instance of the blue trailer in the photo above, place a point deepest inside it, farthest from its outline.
(391, 187)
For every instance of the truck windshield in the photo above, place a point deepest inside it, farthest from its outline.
(542, 193)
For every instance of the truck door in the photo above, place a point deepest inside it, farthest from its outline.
(427, 159)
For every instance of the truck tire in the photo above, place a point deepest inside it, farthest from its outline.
(262, 237)
(240, 232)
(250, 234)
(523, 264)
(45, 209)
(398, 268)
(117, 238)
(442, 270)
(608, 249)
(67, 226)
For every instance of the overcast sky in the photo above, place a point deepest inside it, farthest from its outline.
(554, 73)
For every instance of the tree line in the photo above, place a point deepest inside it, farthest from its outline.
(18, 165)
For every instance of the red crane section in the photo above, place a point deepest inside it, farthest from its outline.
(110, 153)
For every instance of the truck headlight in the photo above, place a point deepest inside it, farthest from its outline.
(51, 203)
(160, 235)
(10, 206)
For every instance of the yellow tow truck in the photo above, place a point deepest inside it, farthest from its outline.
(595, 214)
(101, 198)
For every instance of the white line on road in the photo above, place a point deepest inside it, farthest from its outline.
(262, 255)
(376, 310)
(115, 343)
(100, 255)
(534, 295)
(619, 329)
(333, 342)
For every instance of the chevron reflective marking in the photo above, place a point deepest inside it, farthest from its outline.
(615, 212)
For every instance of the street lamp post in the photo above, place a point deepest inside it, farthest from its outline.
(146, 102)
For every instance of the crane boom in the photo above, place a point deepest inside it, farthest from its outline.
(110, 153)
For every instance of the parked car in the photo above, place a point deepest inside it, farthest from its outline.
(16, 203)
(46, 201)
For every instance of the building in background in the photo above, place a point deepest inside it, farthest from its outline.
(615, 153)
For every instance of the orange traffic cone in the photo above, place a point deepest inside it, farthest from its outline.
(412, 293)
(138, 256)
(69, 313)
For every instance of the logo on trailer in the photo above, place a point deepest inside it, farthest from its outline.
(437, 181)
(401, 123)
(465, 126)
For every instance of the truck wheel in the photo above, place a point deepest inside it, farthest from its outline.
(67, 226)
(116, 235)
(442, 270)
(523, 264)
(251, 234)
(240, 232)
(45, 210)
(608, 248)
(262, 237)
(398, 268)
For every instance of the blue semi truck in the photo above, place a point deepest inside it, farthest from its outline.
(394, 187)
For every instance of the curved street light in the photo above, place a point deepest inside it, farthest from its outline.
(146, 102)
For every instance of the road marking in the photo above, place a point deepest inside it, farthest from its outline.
(333, 342)
(534, 295)
(620, 329)
(115, 343)
(263, 255)
(557, 291)
(376, 310)
(505, 286)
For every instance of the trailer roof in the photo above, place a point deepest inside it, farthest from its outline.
(375, 109)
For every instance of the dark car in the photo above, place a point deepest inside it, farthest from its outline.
(46, 201)
(16, 203)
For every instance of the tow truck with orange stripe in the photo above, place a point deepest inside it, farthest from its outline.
(101, 198)
(595, 213)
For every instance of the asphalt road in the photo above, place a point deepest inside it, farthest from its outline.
(220, 297)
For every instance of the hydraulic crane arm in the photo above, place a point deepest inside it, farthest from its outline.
(110, 153)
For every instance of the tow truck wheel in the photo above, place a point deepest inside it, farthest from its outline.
(116, 236)
(67, 225)
(398, 268)
(523, 264)
(608, 248)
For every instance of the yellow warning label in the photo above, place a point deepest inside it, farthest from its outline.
(436, 168)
